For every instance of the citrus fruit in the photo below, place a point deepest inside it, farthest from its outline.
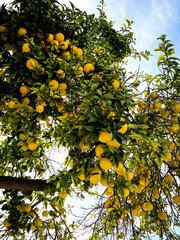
(65, 54)
(168, 156)
(176, 199)
(32, 227)
(120, 169)
(24, 89)
(6, 223)
(60, 108)
(62, 86)
(178, 155)
(45, 213)
(24, 147)
(155, 194)
(176, 108)
(157, 105)
(26, 48)
(79, 52)
(164, 112)
(162, 215)
(105, 163)
(126, 192)
(171, 146)
(127, 175)
(11, 104)
(99, 150)
(63, 45)
(25, 100)
(49, 38)
(22, 31)
(88, 68)
(54, 42)
(39, 222)
(148, 206)
(62, 195)
(59, 37)
(31, 63)
(174, 128)
(60, 73)
(32, 146)
(105, 137)
(104, 181)
(39, 108)
(123, 129)
(153, 95)
(116, 84)
(74, 49)
(53, 85)
(95, 175)
(114, 143)
(26, 208)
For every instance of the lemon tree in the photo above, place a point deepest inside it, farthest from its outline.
(64, 83)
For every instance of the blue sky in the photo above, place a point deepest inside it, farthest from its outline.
(151, 19)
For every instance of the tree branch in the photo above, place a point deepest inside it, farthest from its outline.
(21, 184)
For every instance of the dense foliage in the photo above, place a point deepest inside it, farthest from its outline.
(64, 82)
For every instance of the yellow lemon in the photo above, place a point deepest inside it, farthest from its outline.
(95, 175)
(128, 175)
(114, 143)
(26, 48)
(45, 213)
(155, 194)
(11, 104)
(168, 156)
(54, 42)
(171, 146)
(32, 146)
(148, 206)
(99, 150)
(105, 137)
(24, 89)
(126, 192)
(6, 223)
(74, 49)
(123, 129)
(39, 222)
(162, 215)
(178, 155)
(59, 37)
(31, 63)
(177, 108)
(49, 38)
(63, 45)
(105, 163)
(25, 100)
(120, 169)
(116, 84)
(104, 181)
(22, 31)
(157, 105)
(62, 86)
(153, 95)
(164, 112)
(88, 68)
(60, 108)
(174, 128)
(26, 208)
(79, 52)
(62, 195)
(60, 73)
(53, 85)
(24, 147)
(39, 108)
(176, 199)
(32, 227)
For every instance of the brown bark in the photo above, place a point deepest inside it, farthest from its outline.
(21, 184)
